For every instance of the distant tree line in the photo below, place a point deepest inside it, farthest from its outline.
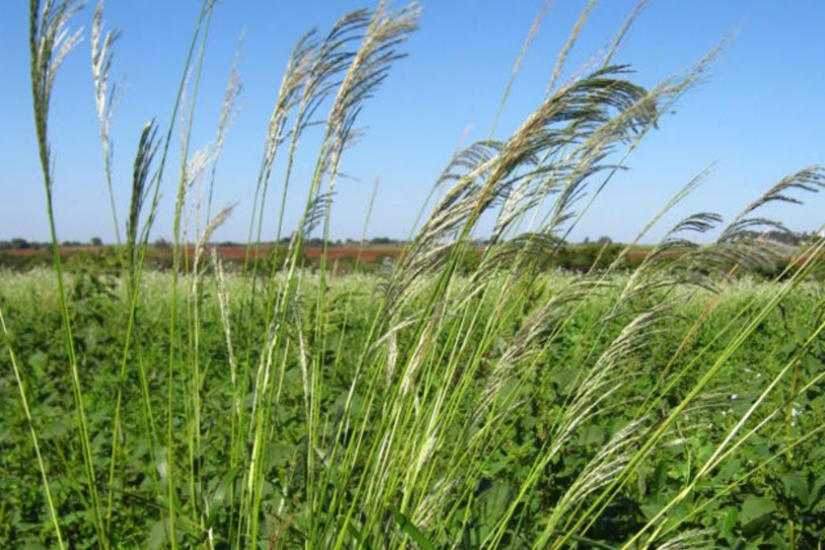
(17, 243)
(790, 238)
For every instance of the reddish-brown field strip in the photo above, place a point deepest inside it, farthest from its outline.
(333, 253)
(64, 250)
(367, 254)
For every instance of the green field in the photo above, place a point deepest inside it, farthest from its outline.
(513, 422)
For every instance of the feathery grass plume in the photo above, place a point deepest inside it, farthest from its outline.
(577, 117)
(195, 175)
(606, 375)
(694, 539)
(321, 202)
(664, 95)
(223, 303)
(568, 46)
(628, 23)
(610, 459)
(662, 98)
(810, 179)
(141, 187)
(229, 112)
(49, 43)
(368, 69)
(531, 339)
(365, 69)
(294, 90)
(742, 245)
(377, 34)
(220, 218)
(106, 99)
(594, 147)
(293, 85)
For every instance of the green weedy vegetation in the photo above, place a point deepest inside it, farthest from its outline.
(678, 405)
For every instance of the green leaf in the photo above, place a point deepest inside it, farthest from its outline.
(729, 522)
(817, 492)
(38, 361)
(755, 513)
(33, 544)
(796, 487)
(728, 471)
(356, 534)
(591, 435)
(411, 530)
(157, 536)
(220, 497)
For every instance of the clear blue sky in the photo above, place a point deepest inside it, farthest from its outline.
(762, 115)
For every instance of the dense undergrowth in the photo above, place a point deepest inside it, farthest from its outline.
(677, 405)
(753, 497)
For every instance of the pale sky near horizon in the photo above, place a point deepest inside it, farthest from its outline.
(760, 117)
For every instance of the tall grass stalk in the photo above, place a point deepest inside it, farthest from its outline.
(49, 45)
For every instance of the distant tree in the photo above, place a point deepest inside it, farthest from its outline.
(19, 244)
(381, 240)
(605, 240)
(160, 242)
(586, 240)
(96, 241)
